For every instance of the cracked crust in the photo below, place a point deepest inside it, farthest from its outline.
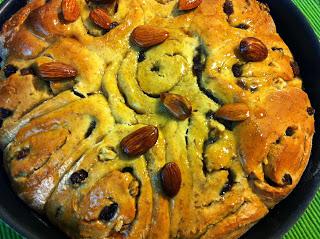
(51, 131)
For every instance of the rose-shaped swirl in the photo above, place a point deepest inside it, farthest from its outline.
(43, 149)
(62, 145)
(112, 178)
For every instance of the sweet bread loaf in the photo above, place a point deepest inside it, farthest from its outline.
(151, 118)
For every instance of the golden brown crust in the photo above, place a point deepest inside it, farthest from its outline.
(270, 118)
(14, 23)
(61, 143)
(17, 88)
(238, 223)
(283, 128)
(18, 39)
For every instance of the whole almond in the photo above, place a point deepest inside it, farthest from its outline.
(146, 36)
(101, 18)
(252, 49)
(56, 71)
(170, 176)
(233, 112)
(140, 141)
(70, 10)
(179, 106)
(189, 4)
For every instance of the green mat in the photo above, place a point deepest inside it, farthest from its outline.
(308, 226)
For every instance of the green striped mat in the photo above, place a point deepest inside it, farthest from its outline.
(308, 226)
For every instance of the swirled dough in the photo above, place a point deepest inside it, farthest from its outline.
(61, 139)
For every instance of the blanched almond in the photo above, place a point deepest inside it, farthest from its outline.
(101, 18)
(189, 4)
(146, 36)
(140, 141)
(56, 71)
(70, 10)
(233, 112)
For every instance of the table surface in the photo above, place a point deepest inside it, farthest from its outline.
(308, 226)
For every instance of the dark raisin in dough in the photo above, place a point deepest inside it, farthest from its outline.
(109, 212)
(78, 176)
(9, 70)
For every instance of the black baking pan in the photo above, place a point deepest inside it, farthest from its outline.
(297, 33)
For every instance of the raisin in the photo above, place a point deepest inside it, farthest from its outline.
(155, 68)
(199, 61)
(127, 170)
(289, 131)
(23, 153)
(311, 111)
(9, 70)
(242, 84)
(109, 212)
(141, 56)
(237, 70)
(5, 113)
(243, 26)
(287, 179)
(210, 115)
(113, 25)
(78, 176)
(228, 7)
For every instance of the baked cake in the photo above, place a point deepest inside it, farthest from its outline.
(151, 118)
